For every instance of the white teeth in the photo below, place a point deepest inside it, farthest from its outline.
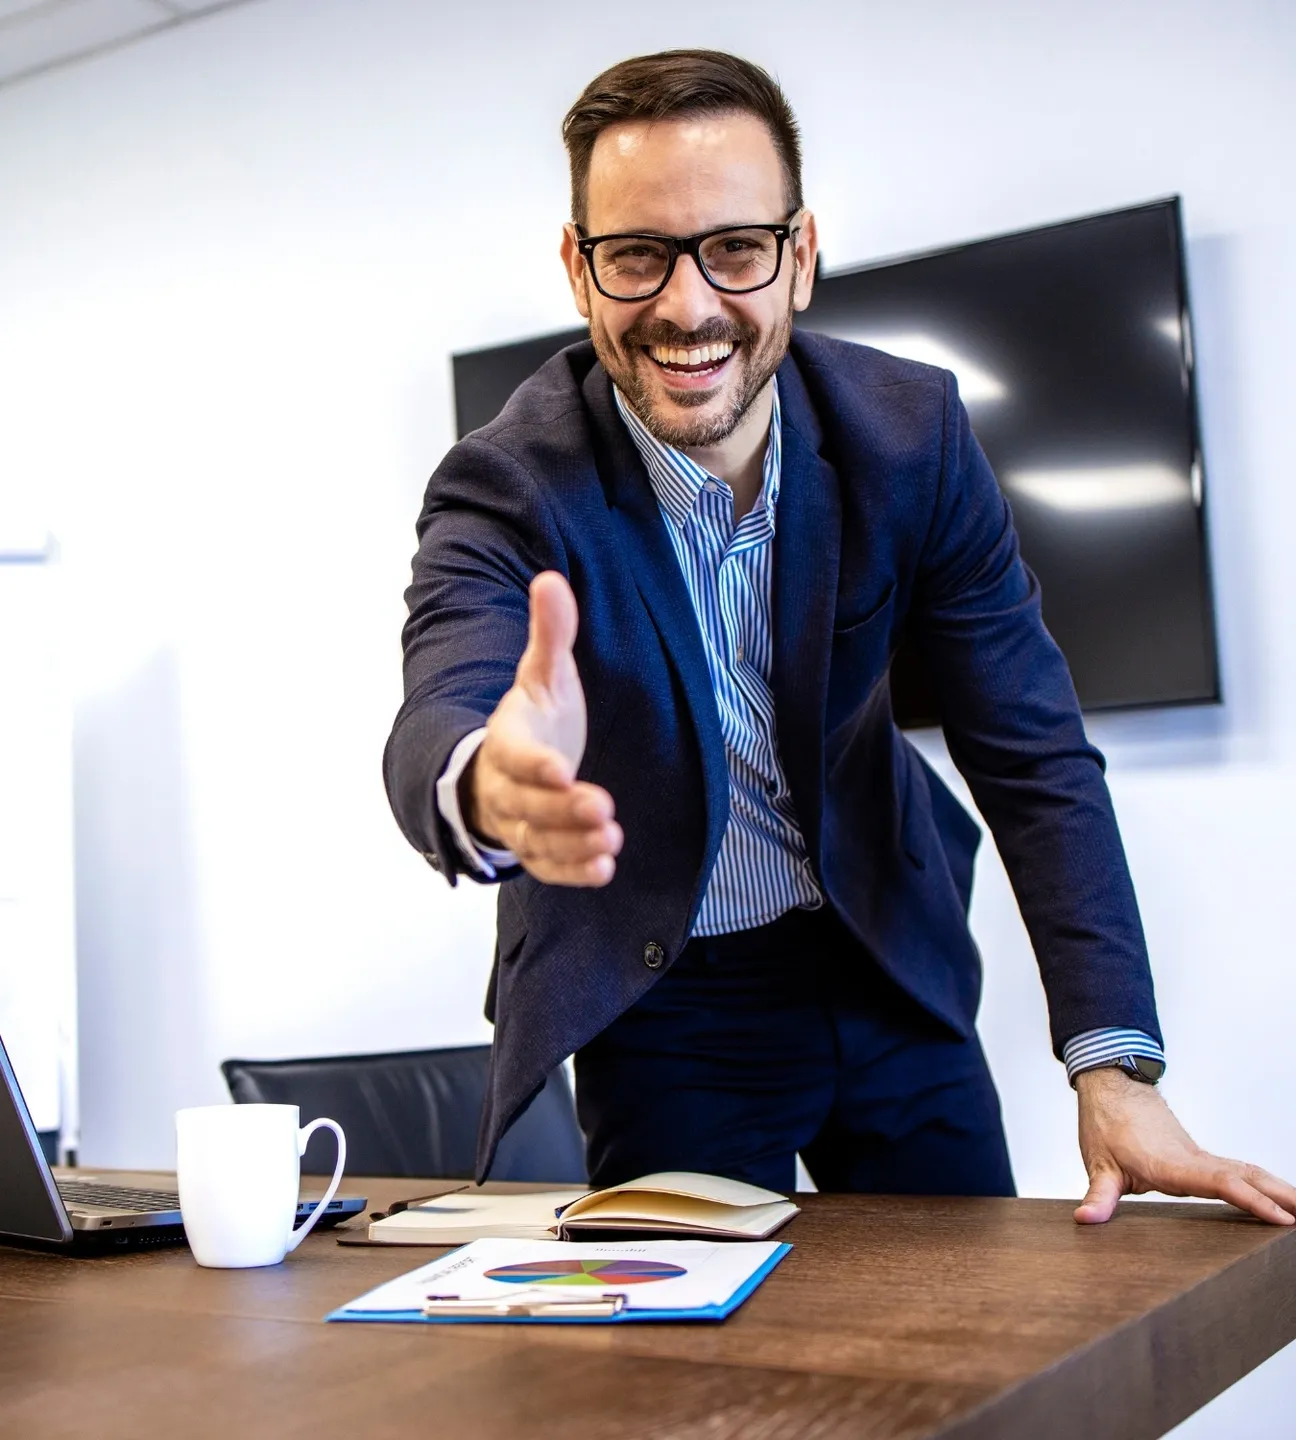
(701, 355)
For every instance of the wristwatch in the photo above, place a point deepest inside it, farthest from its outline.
(1139, 1067)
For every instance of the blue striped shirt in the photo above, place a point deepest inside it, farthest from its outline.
(762, 868)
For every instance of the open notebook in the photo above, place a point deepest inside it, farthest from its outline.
(670, 1203)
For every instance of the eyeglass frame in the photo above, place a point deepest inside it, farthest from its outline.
(678, 245)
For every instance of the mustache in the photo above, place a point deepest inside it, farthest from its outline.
(715, 331)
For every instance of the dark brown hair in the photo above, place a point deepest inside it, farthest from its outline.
(673, 85)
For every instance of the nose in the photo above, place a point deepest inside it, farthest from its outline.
(687, 300)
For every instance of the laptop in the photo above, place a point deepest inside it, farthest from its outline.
(91, 1214)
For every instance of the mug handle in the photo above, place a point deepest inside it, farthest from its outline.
(303, 1135)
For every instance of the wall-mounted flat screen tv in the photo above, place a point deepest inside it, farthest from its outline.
(1073, 350)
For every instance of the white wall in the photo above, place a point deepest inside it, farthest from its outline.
(235, 260)
(37, 926)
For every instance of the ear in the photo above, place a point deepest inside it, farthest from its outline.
(574, 264)
(806, 250)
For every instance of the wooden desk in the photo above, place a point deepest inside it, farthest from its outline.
(896, 1318)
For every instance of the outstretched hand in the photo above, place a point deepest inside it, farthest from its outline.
(520, 790)
(1132, 1143)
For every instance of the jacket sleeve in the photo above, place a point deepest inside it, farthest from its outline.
(485, 530)
(1013, 726)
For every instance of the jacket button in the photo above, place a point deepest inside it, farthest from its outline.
(653, 955)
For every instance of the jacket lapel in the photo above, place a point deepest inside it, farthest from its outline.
(650, 558)
(807, 546)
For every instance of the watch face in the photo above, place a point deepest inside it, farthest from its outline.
(1144, 1068)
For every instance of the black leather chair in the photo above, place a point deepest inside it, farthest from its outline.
(415, 1113)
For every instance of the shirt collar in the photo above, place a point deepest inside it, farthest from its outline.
(677, 480)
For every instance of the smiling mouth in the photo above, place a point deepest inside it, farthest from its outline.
(699, 360)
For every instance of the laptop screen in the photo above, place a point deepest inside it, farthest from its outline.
(29, 1203)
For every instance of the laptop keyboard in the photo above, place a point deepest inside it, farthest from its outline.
(116, 1197)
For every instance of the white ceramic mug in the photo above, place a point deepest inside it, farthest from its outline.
(239, 1170)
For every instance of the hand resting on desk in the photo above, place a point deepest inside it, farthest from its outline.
(1132, 1143)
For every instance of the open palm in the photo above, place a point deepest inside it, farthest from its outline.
(522, 786)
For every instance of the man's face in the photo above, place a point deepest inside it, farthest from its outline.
(681, 177)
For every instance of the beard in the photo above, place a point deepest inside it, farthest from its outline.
(757, 355)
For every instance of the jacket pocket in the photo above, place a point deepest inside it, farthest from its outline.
(852, 624)
(861, 652)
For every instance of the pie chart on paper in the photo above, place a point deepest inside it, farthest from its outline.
(600, 1272)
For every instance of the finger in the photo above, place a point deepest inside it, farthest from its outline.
(594, 872)
(578, 807)
(553, 628)
(565, 847)
(1106, 1186)
(1245, 1186)
(1237, 1191)
(1272, 1186)
(524, 761)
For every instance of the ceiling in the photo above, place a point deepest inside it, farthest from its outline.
(41, 35)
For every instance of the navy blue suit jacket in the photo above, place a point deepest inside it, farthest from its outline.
(888, 513)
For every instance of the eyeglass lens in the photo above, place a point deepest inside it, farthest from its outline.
(630, 266)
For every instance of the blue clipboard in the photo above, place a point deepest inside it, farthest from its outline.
(621, 1316)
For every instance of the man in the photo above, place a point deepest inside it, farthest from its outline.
(646, 687)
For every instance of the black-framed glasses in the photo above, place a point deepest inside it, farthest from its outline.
(735, 259)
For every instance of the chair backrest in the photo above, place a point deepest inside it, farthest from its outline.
(416, 1113)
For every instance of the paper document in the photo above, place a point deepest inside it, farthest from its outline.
(650, 1279)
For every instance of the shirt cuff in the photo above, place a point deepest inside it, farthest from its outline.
(484, 859)
(1097, 1048)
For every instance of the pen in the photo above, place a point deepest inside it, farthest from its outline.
(530, 1304)
(399, 1205)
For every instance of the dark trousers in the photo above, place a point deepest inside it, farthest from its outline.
(787, 1039)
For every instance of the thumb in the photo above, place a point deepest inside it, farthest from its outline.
(553, 629)
(1106, 1186)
